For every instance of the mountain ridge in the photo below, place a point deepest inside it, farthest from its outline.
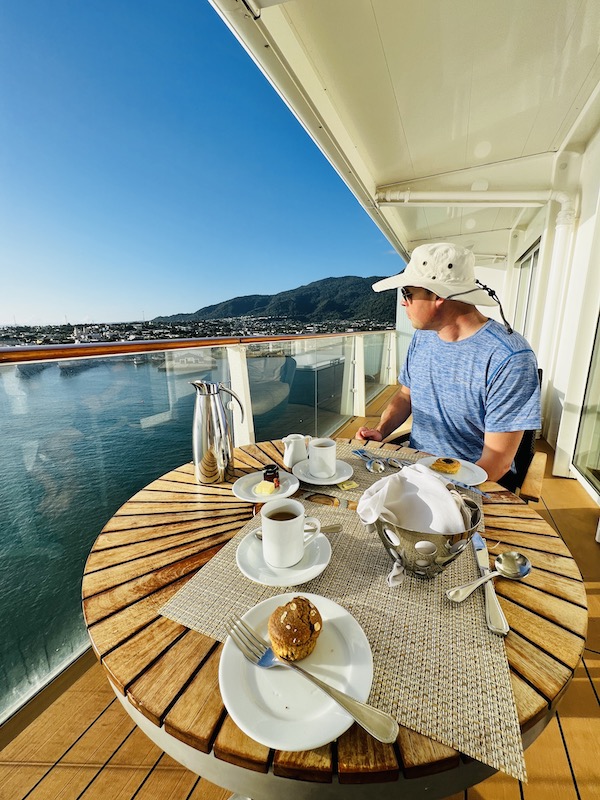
(343, 298)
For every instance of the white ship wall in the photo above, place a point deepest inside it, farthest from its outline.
(567, 301)
(581, 311)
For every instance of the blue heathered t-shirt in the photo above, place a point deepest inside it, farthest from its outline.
(461, 390)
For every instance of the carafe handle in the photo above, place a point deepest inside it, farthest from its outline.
(234, 395)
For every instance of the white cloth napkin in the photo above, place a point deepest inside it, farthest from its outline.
(416, 499)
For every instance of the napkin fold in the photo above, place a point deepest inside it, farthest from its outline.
(417, 499)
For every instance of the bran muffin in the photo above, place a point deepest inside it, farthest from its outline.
(294, 629)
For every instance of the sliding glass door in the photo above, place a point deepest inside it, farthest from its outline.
(587, 448)
(526, 288)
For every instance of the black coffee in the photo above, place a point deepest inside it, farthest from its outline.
(282, 516)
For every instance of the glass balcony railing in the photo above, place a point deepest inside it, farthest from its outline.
(80, 436)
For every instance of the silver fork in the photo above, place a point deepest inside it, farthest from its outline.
(379, 724)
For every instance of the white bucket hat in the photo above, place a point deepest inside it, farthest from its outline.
(447, 270)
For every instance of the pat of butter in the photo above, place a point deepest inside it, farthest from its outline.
(264, 487)
(347, 485)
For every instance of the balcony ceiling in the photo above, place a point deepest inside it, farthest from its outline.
(436, 97)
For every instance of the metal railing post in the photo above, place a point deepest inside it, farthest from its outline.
(360, 404)
(347, 398)
(243, 431)
(388, 365)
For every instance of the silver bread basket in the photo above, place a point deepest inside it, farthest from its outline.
(426, 554)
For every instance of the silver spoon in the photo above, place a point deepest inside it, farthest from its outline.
(375, 465)
(324, 529)
(510, 564)
(398, 463)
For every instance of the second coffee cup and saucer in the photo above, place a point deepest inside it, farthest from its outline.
(321, 468)
(285, 542)
(252, 564)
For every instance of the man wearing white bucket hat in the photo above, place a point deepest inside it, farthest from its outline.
(470, 383)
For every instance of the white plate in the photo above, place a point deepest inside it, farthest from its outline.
(342, 473)
(250, 561)
(281, 709)
(244, 487)
(468, 473)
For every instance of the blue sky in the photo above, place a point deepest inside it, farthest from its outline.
(147, 167)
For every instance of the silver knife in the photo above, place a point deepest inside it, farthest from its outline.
(471, 488)
(496, 621)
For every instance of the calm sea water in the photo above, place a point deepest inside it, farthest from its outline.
(75, 446)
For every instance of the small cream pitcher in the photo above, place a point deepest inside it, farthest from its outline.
(295, 449)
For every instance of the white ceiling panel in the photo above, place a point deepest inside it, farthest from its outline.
(435, 96)
(334, 33)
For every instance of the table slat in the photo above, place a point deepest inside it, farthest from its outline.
(508, 510)
(562, 644)
(531, 706)
(135, 534)
(100, 581)
(423, 756)
(118, 627)
(196, 716)
(235, 746)
(570, 610)
(134, 656)
(519, 538)
(99, 606)
(115, 557)
(362, 759)
(156, 690)
(538, 668)
(315, 765)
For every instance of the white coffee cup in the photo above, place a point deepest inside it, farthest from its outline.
(283, 536)
(322, 458)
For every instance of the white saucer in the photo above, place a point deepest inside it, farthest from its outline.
(250, 561)
(281, 709)
(472, 474)
(244, 487)
(342, 473)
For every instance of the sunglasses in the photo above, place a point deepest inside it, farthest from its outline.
(406, 295)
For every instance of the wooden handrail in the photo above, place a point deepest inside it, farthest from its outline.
(49, 352)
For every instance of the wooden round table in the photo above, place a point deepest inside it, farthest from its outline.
(166, 675)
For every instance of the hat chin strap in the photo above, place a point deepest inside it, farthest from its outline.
(492, 294)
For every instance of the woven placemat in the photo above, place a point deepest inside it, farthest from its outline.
(437, 668)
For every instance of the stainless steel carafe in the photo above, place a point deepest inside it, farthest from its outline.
(211, 438)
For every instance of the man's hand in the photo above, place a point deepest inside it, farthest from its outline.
(369, 434)
(397, 412)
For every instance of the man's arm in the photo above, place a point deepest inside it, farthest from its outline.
(397, 412)
(499, 451)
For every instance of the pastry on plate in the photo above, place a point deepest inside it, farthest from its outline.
(449, 466)
(294, 629)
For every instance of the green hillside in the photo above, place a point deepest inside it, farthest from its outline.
(344, 298)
